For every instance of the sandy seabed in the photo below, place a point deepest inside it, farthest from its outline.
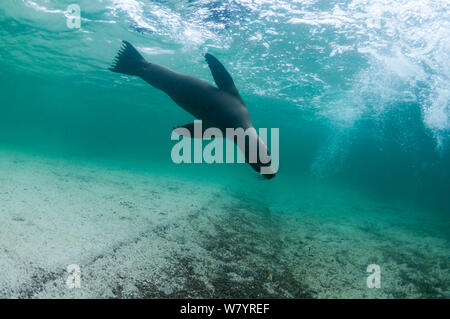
(142, 235)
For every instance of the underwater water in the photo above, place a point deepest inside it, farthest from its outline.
(358, 89)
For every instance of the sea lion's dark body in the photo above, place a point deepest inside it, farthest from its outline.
(220, 107)
(215, 107)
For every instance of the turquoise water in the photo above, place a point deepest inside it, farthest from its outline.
(358, 89)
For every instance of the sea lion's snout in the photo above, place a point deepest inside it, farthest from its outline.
(269, 176)
(268, 171)
(265, 170)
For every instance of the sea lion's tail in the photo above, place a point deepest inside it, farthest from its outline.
(128, 61)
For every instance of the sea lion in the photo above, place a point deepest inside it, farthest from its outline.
(221, 107)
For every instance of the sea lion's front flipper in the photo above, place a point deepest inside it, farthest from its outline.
(190, 131)
(221, 76)
(189, 127)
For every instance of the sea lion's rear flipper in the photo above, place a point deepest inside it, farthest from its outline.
(221, 76)
(128, 61)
